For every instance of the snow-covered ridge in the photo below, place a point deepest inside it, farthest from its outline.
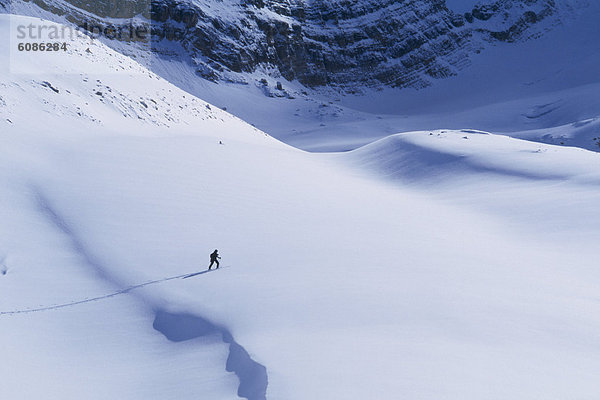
(99, 90)
(448, 156)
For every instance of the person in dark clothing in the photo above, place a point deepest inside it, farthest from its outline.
(214, 259)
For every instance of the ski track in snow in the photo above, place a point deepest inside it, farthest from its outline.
(107, 296)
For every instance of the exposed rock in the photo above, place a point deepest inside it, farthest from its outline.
(345, 43)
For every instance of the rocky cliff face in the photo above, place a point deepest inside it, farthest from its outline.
(338, 43)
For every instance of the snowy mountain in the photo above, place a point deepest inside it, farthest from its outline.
(449, 264)
(328, 76)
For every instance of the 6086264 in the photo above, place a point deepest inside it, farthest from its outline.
(49, 46)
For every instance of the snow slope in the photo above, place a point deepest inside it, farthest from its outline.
(348, 276)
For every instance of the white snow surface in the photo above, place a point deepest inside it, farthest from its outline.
(444, 264)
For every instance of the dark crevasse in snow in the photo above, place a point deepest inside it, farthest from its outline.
(179, 327)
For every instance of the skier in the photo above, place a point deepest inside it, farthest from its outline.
(214, 259)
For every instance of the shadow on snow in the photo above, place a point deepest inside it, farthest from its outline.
(181, 327)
